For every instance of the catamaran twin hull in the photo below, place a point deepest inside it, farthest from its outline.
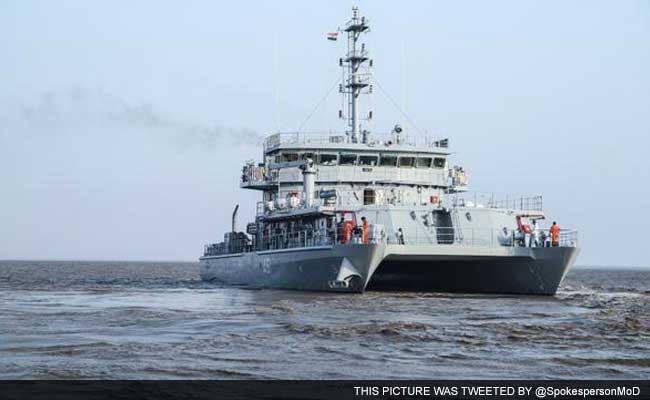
(358, 267)
(353, 210)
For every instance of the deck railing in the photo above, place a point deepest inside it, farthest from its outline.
(468, 237)
(350, 198)
(472, 237)
(320, 138)
(523, 203)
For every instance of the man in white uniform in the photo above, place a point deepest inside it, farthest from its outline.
(536, 234)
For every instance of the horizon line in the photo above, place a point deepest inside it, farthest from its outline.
(583, 266)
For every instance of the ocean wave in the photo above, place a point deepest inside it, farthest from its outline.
(409, 331)
(159, 321)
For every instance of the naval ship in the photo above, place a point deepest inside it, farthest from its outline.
(358, 210)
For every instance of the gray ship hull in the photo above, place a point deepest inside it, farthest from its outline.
(355, 268)
(537, 271)
(327, 268)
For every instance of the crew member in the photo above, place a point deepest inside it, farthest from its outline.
(536, 234)
(400, 236)
(339, 229)
(554, 231)
(348, 227)
(366, 230)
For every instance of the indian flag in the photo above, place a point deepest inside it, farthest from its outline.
(332, 35)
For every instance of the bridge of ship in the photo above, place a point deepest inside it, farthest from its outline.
(379, 161)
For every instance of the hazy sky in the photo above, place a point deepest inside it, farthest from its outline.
(124, 125)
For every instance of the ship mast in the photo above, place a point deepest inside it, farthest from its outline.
(356, 66)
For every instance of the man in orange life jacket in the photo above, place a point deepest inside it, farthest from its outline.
(366, 230)
(348, 227)
(554, 231)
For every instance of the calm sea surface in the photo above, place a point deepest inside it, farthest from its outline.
(127, 320)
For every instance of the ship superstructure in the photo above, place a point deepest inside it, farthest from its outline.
(358, 210)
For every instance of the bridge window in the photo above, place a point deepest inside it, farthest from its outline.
(368, 160)
(368, 196)
(348, 159)
(289, 157)
(388, 161)
(407, 162)
(424, 162)
(439, 162)
(304, 156)
(327, 159)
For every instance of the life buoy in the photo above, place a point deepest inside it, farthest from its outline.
(434, 199)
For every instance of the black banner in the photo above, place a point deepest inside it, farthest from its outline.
(339, 390)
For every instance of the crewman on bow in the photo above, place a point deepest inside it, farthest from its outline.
(554, 231)
(366, 230)
(348, 228)
(536, 235)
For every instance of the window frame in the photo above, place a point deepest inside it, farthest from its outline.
(356, 159)
(417, 162)
(399, 164)
(384, 156)
(373, 196)
(310, 153)
(336, 159)
(375, 156)
(283, 156)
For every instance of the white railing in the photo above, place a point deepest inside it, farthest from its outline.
(351, 198)
(434, 237)
(278, 241)
(320, 138)
(482, 200)
(485, 237)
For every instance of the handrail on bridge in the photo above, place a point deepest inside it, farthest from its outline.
(293, 138)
